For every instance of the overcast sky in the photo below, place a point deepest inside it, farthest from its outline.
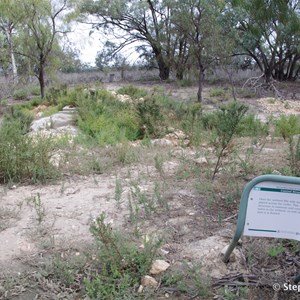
(89, 44)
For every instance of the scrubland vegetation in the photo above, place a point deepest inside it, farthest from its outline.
(114, 134)
(165, 140)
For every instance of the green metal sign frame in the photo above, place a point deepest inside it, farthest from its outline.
(244, 204)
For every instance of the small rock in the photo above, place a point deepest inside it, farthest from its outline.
(164, 252)
(140, 289)
(276, 172)
(149, 281)
(159, 266)
(201, 161)
(161, 142)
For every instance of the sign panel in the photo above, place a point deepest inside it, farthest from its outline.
(273, 210)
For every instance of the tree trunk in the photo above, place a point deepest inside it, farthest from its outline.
(200, 81)
(164, 68)
(292, 70)
(268, 74)
(12, 55)
(179, 73)
(41, 78)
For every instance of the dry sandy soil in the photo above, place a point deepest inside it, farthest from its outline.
(35, 220)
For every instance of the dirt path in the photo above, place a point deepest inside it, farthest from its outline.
(36, 216)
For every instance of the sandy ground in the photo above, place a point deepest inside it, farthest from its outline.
(34, 218)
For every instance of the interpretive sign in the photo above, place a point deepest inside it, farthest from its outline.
(269, 207)
(274, 210)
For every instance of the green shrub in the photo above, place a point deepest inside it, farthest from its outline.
(225, 124)
(252, 126)
(150, 116)
(21, 116)
(132, 91)
(34, 90)
(287, 126)
(36, 101)
(192, 122)
(294, 156)
(23, 158)
(21, 94)
(121, 263)
(246, 93)
(50, 111)
(184, 83)
(217, 92)
(107, 120)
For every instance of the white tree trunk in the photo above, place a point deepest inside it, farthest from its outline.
(12, 55)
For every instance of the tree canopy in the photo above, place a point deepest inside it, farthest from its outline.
(269, 33)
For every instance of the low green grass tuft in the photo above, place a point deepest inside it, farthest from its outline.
(287, 126)
(252, 126)
(108, 120)
(24, 158)
(121, 264)
(132, 91)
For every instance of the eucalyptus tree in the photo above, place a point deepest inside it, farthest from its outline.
(145, 21)
(10, 16)
(199, 22)
(269, 33)
(39, 34)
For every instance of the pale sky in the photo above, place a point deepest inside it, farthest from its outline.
(89, 45)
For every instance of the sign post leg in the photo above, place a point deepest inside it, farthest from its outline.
(229, 250)
(297, 279)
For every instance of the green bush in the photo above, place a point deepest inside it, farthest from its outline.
(287, 126)
(150, 116)
(21, 94)
(23, 158)
(121, 263)
(217, 92)
(294, 156)
(184, 83)
(132, 91)
(108, 120)
(21, 116)
(34, 90)
(251, 126)
(225, 124)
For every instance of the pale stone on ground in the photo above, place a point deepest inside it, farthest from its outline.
(149, 281)
(159, 266)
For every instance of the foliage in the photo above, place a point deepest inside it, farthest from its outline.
(110, 57)
(294, 156)
(150, 116)
(21, 115)
(217, 92)
(225, 124)
(121, 263)
(185, 83)
(189, 281)
(132, 91)
(268, 32)
(106, 119)
(287, 126)
(136, 21)
(275, 250)
(21, 94)
(24, 158)
(38, 35)
(199, 25)
(250, 125)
